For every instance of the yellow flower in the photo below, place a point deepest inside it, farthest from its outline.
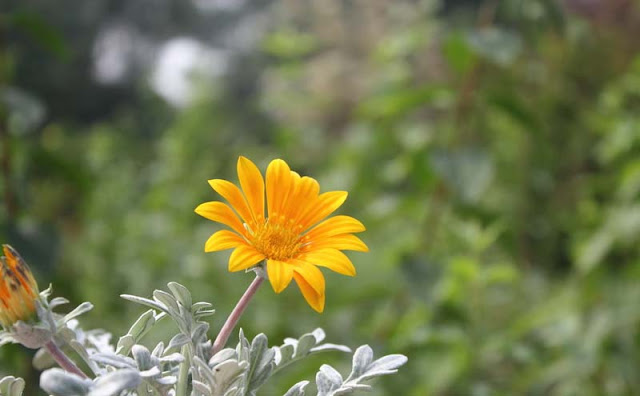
(18, 289)
(291, 236)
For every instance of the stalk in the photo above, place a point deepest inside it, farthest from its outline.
(63, 360)
(233, 319)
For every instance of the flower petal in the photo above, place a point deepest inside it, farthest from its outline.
(335, 226)
(233, 195)
(244, 257)
(333, 259)
(221, 213)
(311, 274)
(223, 240)
(340, 242)
(279, 186)
(313, 298)
(252, 185)
(280, 274)
(325, 204)
(305, 191)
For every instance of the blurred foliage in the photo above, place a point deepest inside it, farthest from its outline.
(491, 148)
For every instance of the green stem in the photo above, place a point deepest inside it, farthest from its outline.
(183, 374)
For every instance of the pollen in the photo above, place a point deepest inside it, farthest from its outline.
(277, 239)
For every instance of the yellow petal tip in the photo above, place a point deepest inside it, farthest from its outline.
(277, 290)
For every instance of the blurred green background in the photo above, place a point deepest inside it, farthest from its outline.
(492, 149)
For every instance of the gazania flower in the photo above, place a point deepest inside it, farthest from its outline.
(292, 234)
(18, 289)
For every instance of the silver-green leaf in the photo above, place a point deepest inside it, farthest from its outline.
(58, 382)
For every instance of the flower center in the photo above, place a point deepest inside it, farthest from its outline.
(277, 241)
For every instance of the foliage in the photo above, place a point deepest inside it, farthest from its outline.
(186, 366)
(491, 151)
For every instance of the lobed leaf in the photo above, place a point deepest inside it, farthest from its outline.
(181, 294)
(177, 341)
(261, 359)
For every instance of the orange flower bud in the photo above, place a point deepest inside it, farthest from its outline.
(18, 289)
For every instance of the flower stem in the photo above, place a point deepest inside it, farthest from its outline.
(232, 320)
(63, 360)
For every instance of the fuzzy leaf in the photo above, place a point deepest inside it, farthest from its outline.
(6, 338)
(58, 382)
(150, 373)
(117, 361)
(79, 310)
(116, 382)
(327, 380)
(284, 354)
(31, 336)
(174, 358)
(158, 350)
(125, 343)
(201, 305)
(57, 302)
(199, 331)
(204, 313)
(330, 382)
(42, 360)
(242, 349)
(319, 335)
(385, 365)
(330, 347)
(225, 354)
(142, 357)
(145, 301)
(11, 386)
(234, 391)
(294, 350)
(181, 293)
(202, 388)
(347, 390)
(361, 360)
(204, 371)
(261, 363)
(297, 389)
(143, 323)
(168, 301)
(227, 373)
(331, 374)
(137, 330)
(167, 380)
(305, 343)
(80, 350)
